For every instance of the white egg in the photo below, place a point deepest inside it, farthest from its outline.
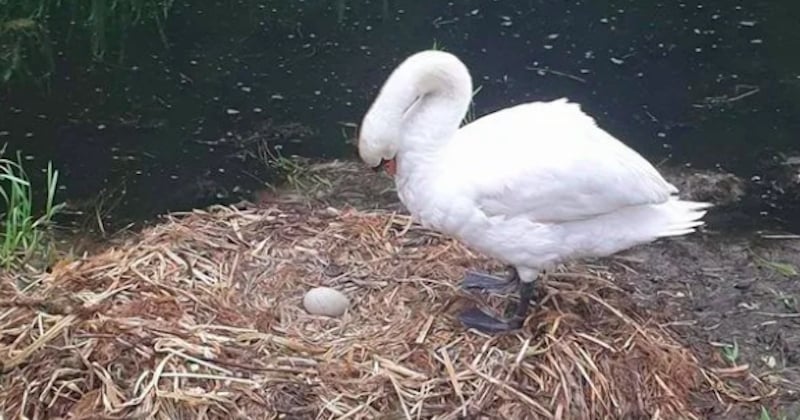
(325, 301)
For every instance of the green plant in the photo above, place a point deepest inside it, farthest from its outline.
(471, 116)
(292, 170)
(731, 352)
(25, 48)
(24, 235)
(27, 27)
(764, 415)
(784, 269)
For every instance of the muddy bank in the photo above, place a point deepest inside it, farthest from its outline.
(736, 292)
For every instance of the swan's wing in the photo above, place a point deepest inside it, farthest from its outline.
(552, 163)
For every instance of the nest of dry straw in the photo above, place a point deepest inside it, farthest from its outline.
(200, 317)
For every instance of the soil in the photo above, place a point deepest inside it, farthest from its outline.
(723, 289)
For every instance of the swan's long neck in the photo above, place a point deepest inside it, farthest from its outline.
(424, 101)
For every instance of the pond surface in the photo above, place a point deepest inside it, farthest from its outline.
(712, 84)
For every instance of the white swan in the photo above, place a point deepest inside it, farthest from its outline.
(532, 185)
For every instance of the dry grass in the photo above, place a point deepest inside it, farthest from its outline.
(200, 317)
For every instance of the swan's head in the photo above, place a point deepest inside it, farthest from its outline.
(377, 141)
(423, 99)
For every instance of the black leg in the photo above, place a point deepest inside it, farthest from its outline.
(485, 282)
(524, 304)
(488, 323)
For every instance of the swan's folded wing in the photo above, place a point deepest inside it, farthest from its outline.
(576, 173)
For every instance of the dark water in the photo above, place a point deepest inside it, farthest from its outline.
(709, 84)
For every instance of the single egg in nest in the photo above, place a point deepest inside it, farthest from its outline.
(325, 301)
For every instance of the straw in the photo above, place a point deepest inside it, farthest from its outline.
(201, 316)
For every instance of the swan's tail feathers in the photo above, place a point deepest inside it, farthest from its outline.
(684, 216)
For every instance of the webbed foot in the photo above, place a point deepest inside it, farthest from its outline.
(482, 321)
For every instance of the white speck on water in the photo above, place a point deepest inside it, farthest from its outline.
(747, 23)
(193, 62)
(604, 20)
(661, 134)
(277, 96)
(232, 111)
(698, 49)
(221, 170)
(617, 61)
(474, 12)
(257, 109)
(757, 41)
(548, 47)
(5, 133)
(29, 134)
(246, 89)
(101, 126)
(173, 176)
(552, 36)
(317, 92)
(755, 178)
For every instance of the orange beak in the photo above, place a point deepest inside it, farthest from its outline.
(390, 166)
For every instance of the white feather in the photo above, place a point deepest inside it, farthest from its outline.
(534, 184)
